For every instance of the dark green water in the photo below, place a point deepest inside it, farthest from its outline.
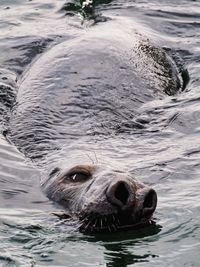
(166, 155)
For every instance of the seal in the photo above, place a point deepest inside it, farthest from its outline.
(74, 99)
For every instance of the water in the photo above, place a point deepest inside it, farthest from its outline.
(165, 154)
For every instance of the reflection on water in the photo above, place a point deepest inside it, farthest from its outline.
(119, 248)
(166, 149)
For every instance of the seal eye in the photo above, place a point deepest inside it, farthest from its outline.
(78, 174)
(79, 177)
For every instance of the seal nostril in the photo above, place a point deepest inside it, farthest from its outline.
(150, 202)
(122, 193)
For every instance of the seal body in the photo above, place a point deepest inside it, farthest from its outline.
(77, 95)
(88, 86)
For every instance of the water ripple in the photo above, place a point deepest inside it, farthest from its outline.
(161, 144)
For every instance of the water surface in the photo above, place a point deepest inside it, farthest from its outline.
(165, 153)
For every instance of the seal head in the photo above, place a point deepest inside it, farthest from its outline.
(103, 200)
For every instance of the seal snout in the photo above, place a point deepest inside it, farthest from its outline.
(125, 196)
(120, 194)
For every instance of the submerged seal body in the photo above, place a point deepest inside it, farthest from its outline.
(73, 99)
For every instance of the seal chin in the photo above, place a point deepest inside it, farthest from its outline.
(96, 223)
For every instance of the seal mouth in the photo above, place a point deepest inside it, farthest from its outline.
(125, 215)
(96, 223)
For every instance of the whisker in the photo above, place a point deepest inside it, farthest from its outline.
(118, 221)
(95, 223)
(105, 221)
(90, 158)
(96, 157)
(114, 227)
(87, 225)
(101, 222)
